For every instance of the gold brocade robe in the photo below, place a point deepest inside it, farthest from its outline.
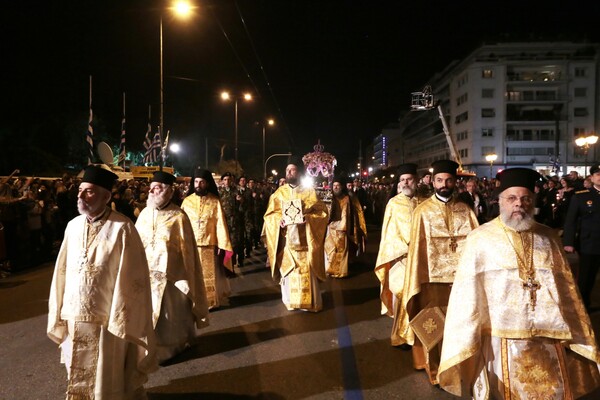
(430, 256)
(490, 312)
(208, 221)
(312, 234)
(347, 234)
(210, 231)
(393, 249)
(108, 289)
(172, 256)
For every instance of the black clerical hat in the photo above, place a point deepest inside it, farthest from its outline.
(522, 177)
(99, 176)
(444, 166)
(163, 177)
(409, 168)
(594, 168)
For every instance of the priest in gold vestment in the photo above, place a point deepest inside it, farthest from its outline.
(204, 209)
(179, 304)
(516, 327)
(346, 232)
(439, 227)
(100, 308)
(390, 267)
(293, 233)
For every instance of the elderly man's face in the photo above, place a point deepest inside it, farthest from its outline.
(407, 185)
(91, 199)
(516, 208)
(160, 194)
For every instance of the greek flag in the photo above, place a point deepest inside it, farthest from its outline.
(90, 132)
(122, 152)
(152, 150)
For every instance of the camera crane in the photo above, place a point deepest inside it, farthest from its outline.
(423, 101)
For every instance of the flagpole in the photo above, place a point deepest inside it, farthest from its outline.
(162, 115)
(90, 131)
(122, 151)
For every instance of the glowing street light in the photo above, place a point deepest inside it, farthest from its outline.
(225, 96)
(491, 158)
(175, 147)
(182, 9)
(585, 142)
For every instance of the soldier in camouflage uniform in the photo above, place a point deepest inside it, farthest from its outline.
(249, 214)
(233, 208)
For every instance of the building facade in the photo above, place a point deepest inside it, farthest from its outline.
(524, 102)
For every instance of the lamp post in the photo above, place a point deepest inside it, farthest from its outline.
(491, 158)
(585, 142)
(226, 97)
(271, 156)
(270, 122)
(182, 9)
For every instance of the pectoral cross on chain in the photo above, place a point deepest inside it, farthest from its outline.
(532, 285)
(453, 244)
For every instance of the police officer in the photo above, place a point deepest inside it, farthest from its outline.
(582, 233)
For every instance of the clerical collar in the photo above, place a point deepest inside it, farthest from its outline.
(165, 206)
(97, 217)
(442, 199)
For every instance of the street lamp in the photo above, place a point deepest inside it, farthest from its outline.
(585, 142)
(182, 9)
(271, 156)
(226, 97)
(270, 122)
(491, 158)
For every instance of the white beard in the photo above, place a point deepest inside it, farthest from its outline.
(408, 191)
(519, 224)
(158, 201)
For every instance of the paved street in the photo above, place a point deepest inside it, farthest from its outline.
(253, 349)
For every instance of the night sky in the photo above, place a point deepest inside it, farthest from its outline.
(338, 71)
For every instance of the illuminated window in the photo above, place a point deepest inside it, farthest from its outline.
(487, 73)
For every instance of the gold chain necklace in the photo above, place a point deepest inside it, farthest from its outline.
(525, 263)
(449, 221)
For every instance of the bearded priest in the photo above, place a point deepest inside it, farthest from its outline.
(346, 232)
(516, 327)
(204, 209)
(179, 304)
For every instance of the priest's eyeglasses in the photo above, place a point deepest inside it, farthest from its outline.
(512, 199)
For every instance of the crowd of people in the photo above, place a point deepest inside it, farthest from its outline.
(473, 272)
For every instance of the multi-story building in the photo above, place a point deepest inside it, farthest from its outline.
(524, 102)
